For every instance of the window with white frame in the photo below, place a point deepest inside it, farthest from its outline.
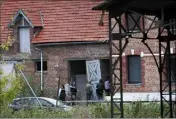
(24, 38)
(134, 69)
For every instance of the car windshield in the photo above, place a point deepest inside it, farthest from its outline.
(53, 101)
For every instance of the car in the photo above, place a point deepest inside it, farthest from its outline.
(39, 102)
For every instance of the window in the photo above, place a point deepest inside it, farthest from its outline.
(23, 102)
(43, 103)
(172, 26)
(134, 69)
(38, 66)
(173, 67)
(24, 36)
(131, 25)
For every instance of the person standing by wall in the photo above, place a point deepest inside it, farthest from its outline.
(62, 94)
(88, 90)
(99, 89)
(107, 86)
(67, 92)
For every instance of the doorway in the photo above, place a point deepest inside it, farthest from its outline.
(78, 77)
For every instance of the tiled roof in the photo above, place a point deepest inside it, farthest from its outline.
(35, 17)
(63, 20)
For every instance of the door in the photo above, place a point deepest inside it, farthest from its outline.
(80, 85)
(93, 75)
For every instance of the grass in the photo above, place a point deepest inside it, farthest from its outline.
(132, 110)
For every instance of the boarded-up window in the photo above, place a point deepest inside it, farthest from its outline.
(24, 35)
(134, 69)
(131, 23)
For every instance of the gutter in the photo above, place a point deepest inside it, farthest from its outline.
(70, 43)
(41, 71)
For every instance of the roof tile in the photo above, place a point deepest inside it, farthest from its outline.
(63, 20)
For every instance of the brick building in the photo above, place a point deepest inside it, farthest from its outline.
(68, 34)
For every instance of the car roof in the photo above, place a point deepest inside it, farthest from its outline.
(51, 100)
(46, 98)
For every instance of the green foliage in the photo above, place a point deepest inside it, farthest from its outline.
(10, 85)
(142, 110)
(26, 92)
(41, 113)
(99, 110)
(4, 47)
(9, 93)
(131, 110)
(19, 66)
(34, 113)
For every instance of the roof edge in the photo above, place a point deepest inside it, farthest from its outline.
(15, 18)
(102, 6)
(69, 43)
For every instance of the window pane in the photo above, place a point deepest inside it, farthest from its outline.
(24, 40)
(23, 102)
(173, 68)
(43, 102)
(134, 69)
(38, 66)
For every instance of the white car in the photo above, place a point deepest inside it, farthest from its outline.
(33, 102)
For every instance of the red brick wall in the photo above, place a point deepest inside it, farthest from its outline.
(149, 76)
(60, 55)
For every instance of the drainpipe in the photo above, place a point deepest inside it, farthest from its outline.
(41, 75)
(41, 71)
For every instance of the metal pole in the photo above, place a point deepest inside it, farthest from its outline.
(161, 68)
(41, 75)
(121, 83)
(30, 87)
(110, 66)
(160, 76)
(169, 78)
(41, 70)
(58, 87)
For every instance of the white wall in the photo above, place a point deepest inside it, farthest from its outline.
(147, 96)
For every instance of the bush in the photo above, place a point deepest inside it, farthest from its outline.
(131, 110)
(142, 110)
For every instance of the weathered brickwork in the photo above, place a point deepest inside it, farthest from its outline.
(59, 55)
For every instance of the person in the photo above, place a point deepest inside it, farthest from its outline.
(99, 89)
(73, 92)
(62, 94)
(88, 90)
(107, 87)
(67, 92)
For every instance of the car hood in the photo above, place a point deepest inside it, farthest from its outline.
(66, 107)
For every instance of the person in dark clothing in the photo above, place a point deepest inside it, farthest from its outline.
(107, 86)
(99, 89)
(62, 94)
(88, 90)
(73, 93)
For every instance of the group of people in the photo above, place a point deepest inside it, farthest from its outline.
(67, 92)
(100, 88)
